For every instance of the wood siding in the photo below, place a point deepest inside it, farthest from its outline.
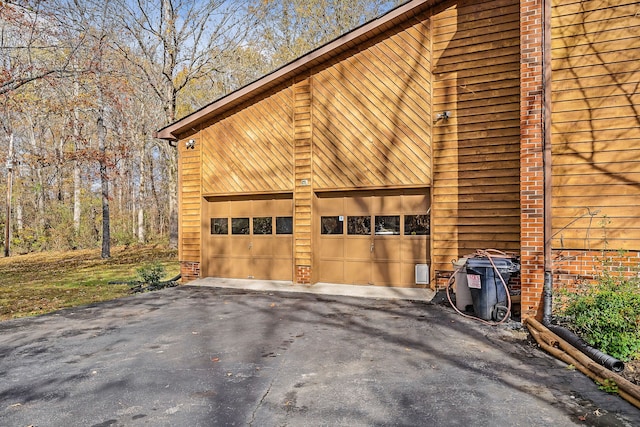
(303, 172)
(596, 124)
(250, 150)
(372, 114)
(476, 76)
(189, 200)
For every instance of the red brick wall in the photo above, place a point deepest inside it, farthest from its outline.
(531, 155)
(303, 274)
(571, 267)
(190, 270)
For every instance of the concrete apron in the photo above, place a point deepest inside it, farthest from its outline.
(361, 291)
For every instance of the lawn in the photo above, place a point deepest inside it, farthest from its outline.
(43, 282)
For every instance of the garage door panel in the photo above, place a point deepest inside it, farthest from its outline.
(415, 204)
(264, 206)
(262, 268)
(415, 249)
(218, 267)
(358, 248)
(331, 247)
(283, 247)
(218, 246)
(240, 267)
(281, 268)
(386, 204)
(248, 246)
(386, 273)
(262, 246)
(358, 205)
(386, 249)
(240, 208)
(408, 274)
(332, 271)
(372, 217)
(357, 272)
(239, 246)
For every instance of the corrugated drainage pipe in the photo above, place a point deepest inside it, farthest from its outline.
(594, 354)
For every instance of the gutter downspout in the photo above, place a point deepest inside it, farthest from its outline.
(603, 359)
(547, 178)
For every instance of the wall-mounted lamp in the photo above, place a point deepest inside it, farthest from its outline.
(190, 144)
(442, 116)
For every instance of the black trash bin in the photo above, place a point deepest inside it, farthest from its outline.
(488, 294)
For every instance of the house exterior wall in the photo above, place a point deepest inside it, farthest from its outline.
(367, 120)
(371, 114)
(532, 155)
(303, 194)
(189, 202)
(364, 121)
(476, 77)
(596, 125)
(595, 139)
(250, 149)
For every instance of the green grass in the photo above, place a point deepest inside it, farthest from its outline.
(48, 281)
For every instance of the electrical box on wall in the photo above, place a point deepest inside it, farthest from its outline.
(422, 274)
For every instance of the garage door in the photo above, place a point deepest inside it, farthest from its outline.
(249, 238)
(372, 238)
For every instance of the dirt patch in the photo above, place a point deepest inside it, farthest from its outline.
(632, 371)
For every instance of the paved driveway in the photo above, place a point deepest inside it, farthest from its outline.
(201, 356)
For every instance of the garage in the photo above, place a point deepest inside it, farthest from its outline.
(373, 237)
(249, 238)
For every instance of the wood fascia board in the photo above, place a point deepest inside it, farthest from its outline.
(311, 59)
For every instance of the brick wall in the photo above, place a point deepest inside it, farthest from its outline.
(190, 270)
(572, 267)
(532, 155)
(303, 274)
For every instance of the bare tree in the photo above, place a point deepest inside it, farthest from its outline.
(174, 43)
(290, 28)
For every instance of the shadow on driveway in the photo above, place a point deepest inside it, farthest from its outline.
(203, 356)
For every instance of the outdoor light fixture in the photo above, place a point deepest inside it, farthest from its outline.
(443, 116)
(191, 144)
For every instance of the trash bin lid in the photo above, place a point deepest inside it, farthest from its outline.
(501, 263)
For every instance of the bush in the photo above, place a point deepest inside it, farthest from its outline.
(151, 274)
(605, 314)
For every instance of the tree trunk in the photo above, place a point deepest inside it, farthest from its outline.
(19, 218)
(7, 224)
(77, 207)
(141, 195)
(40, 187)
(173, 198)
(104, 180)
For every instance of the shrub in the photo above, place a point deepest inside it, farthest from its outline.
(605, 314)
(152, 273)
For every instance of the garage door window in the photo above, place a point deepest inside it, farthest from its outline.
(416, 225)
(359, 225)
(262, 225)
(239, 225)
(387, 224)
(219, 226)
(284, 225)
(331, 224)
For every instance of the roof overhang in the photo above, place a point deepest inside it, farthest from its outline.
(287, 72)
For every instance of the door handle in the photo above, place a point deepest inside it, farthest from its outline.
(250, 245)
(371, 248)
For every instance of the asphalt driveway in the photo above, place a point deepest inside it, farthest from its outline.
(202, 356)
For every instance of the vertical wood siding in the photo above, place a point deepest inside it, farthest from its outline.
(190, 200)
(372, 114)
(476, 191)
(250, 149)
(596, 124)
